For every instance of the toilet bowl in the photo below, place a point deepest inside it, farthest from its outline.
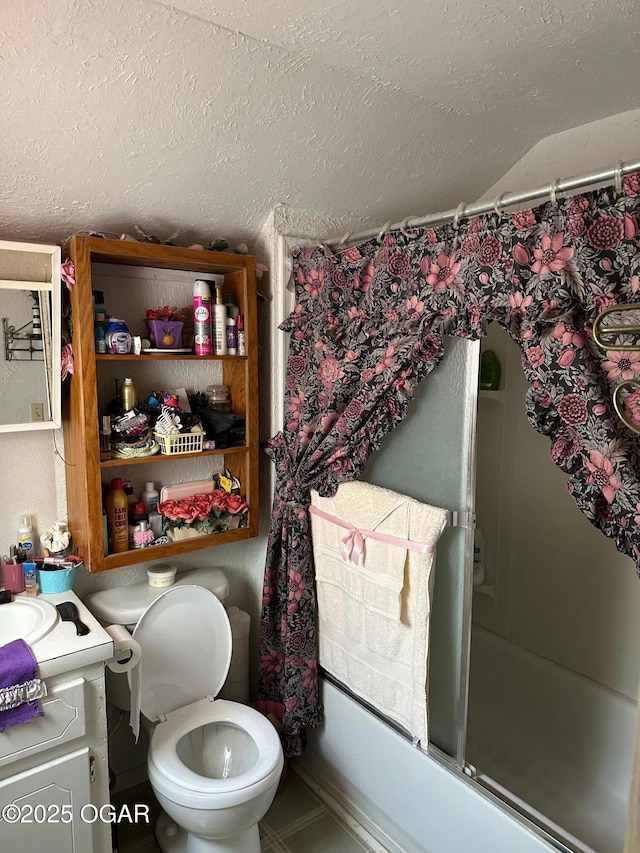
(214, 765)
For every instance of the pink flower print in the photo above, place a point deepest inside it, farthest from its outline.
(518, 303)
(297, 365)
(552, 256)
(601, 472)
(631, 185)
(353, 410)
(354, 313)
(576, 226)
(568, 336)
(621, 365)
(567, 358)
(603, 300)
(271, 663)
(606, 232)
(329, 371)
(364, 282)
(523, 219)
(431, 236)
(475, 225)
(630, 226)
(521, 255)
(470, 244)
(414, 307)
(441, 273)
(366, 375)
(387, 360)
(398, 264)
(295, 405)
(310, 674)
(306, 434)
(632, 408)
(352, 255)
(67, 362)
(577, 206)
(68, 274)
(297, 587)
(573, 409)
(535, 356)
(635, 283)
(390, 315)
(314, 282)
(328, 421)
(475, 312)
(489, 251)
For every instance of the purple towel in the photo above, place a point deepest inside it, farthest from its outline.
(17, 666)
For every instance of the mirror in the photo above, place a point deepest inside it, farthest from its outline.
(30, 353)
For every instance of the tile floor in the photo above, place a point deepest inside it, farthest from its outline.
(297, 822)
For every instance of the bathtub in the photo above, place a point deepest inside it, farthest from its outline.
(411, 802)
(551, 741)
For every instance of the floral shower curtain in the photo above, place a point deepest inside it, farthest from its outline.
(368, 325)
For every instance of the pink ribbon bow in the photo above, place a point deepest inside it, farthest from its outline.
(352, 545)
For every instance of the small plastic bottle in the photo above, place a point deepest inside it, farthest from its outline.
(25, 536)
(219, 322)
(150, 498)
(30, 579)
(128, 394)
(116, 506)
(242, 347)
(105, 439)
(232, 309)
(232, 336)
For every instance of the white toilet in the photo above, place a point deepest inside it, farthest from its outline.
(214, 765)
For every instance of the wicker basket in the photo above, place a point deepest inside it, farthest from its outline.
(182, 442)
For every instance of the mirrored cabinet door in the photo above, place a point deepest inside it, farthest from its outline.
(30, 306)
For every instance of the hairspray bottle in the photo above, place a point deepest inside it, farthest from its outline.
(202, 317)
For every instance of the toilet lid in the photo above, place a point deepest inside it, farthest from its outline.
(185, 642)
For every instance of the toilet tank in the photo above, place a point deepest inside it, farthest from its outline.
(124, 605)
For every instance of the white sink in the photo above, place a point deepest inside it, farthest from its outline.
(28, 619)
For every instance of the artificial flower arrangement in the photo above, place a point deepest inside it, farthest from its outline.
(165, 326)
(204, 513)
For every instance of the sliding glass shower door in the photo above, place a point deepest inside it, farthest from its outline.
(430, 456)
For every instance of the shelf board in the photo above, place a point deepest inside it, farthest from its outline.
(161, 552)
(164, 457)
(169, 356)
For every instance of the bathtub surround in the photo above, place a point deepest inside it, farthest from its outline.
(368, 325)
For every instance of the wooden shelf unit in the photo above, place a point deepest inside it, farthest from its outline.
(81, 415)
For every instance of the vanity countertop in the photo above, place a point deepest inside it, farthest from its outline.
(62, 649)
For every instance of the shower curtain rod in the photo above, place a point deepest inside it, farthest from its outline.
(503, 200)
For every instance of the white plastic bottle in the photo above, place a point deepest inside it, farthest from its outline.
(478, 557)
(202, 317)
(219, 323)
(150, 497)
(25, 536)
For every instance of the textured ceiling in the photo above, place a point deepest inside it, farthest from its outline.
(203, 116)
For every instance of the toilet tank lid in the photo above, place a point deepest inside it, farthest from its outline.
(124, 605)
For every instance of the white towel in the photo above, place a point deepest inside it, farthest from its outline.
(373, 613)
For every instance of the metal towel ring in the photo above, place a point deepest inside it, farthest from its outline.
(617, 177)
(496, 203)
(403, 226)
(383, 231)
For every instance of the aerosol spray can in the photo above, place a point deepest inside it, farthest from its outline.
(202, 317)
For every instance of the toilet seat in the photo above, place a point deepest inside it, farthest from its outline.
(185, 786)
(185, 638)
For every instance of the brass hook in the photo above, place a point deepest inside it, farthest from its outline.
(600, 330)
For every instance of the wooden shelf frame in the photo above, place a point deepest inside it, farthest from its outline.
(84, 469)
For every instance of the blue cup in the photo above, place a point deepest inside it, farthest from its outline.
(56, 579)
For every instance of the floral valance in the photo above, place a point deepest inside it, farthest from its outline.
(368, 325)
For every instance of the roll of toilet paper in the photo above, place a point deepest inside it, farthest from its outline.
(126, 649)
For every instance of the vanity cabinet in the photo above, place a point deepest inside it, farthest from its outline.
(134, 277)
(53, 770)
